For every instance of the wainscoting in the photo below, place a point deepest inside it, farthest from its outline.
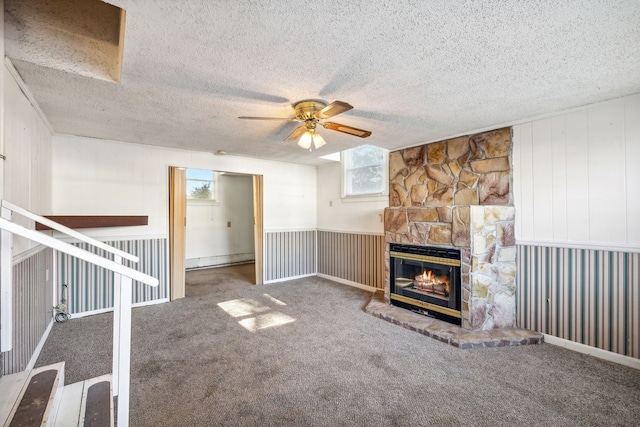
(355, 257)
(588, 296)
(289, 254)
(90, 288)
(32, 310)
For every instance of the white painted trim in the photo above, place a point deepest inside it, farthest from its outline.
(123, 238)
(572, 245)
(38, 349)
(367, 233)
(348, 282)
(286, 279)
(17, 259)
(110, 309)
(27, 93)
(288, 230)
(593, 351)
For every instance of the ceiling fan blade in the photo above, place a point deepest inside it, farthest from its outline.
(333, 109)
(296, 133)
(289, 119)
(347, 129)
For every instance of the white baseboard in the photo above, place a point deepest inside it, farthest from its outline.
(36, 352)
(110, 309)
(286, 279)
(349, 282)
(593, 351)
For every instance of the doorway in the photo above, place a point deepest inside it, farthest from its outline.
(223, 218)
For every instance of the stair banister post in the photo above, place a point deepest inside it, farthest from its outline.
(124, 353)
(117, 283)
(6, 285)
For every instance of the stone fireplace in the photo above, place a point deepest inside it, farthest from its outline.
(457, 194)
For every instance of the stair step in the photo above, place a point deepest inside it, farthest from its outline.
(36, 397)
(11, 386)
(87, 403)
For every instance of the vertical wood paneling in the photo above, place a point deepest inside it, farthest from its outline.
(572, 174)
(586, 296)
(606, 145)
(91, 288)
(355, 257)
(289, 254)
(32, 308)
(632, 152)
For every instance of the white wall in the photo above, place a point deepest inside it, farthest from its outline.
(101, 177)
(27, 168)
(210, 241)
(576, 178)
(351, 215)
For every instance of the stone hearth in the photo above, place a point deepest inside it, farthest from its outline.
(457, 194)
(448, 333)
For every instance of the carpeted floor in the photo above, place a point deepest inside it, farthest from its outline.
(303, 353)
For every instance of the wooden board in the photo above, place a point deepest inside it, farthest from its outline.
(95, 221)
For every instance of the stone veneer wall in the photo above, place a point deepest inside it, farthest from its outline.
(457, 193)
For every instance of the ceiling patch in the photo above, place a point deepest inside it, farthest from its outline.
(84, 37)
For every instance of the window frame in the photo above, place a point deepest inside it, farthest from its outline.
(214, 187)
(345, 158)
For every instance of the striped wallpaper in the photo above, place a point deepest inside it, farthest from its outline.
(588, 296)
(91, 288)
(355, 257)
(32, 310)
(289, 254)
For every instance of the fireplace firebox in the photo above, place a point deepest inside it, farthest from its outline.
(426, 280)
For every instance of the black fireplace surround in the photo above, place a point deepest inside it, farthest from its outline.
(426, 280)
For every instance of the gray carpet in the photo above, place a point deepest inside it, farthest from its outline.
(193, 364)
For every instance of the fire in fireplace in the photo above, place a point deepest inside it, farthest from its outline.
(426, 280)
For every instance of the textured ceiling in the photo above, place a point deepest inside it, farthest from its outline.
(415, 71)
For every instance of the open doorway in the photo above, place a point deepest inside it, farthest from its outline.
(219, 228)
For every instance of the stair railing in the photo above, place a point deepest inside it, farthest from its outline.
(123, 280)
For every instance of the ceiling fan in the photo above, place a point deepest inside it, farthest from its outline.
(311, 113)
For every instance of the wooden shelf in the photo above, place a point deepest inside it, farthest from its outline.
(95, 221)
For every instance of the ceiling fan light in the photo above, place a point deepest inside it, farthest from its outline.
(318, 141)
(305, 140)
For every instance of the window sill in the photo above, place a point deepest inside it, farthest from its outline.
(365, 198)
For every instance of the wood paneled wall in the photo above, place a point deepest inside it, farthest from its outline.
(355, 257)
(289, 254)
(588, 296)
(32, 310)
(575, 178)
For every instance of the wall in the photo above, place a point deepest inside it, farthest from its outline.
(349, 215)
(350, 232)
(210, 241)
(578, 234)
(92, 177)
(26, 181)
(27, 169)
(576, 181)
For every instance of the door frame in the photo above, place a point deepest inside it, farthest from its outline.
(177, 230)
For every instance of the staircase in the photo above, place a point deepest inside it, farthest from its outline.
(40, 398)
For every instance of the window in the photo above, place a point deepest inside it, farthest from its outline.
(364, 171)
(201, 184)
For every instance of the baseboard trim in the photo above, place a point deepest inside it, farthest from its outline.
(348, 282)
(286, 279)
(110, 309)
(593, 351)
(36, 352)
